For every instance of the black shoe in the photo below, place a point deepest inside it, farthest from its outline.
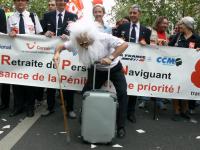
(121, 132)
(3, 107)
(177, 117)
(131, 118)
(186, 116)
(16, 112)
(30, 113)
(47, 113)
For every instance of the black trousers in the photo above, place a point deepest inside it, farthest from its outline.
(68, 96)
(5, 94)
(131, 104)
(192, 104)
(118, 79)
(24, 97)
(39, 92)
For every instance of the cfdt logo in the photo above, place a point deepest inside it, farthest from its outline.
(170, 61)
(195, 77)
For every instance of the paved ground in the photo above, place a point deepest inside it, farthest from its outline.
(40, 133)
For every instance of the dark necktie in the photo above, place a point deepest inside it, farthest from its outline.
(133, 34)
(21, 25)
(59, 25)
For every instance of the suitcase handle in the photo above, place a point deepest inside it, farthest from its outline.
(94, 75)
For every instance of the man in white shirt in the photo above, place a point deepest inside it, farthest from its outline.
(23, 22)
(30, 26)
(91, 46)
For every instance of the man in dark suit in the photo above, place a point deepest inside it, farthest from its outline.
(5, 88)
(39, 93)
(136, 33)
(3, 21)
(140, 35)
(51, 7)
(55, 24)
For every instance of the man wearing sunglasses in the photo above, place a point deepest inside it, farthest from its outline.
(91, 46)
(51, 5)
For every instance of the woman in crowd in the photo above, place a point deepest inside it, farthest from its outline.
(186, 39)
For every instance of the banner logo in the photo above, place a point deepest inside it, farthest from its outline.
(137, 58)
(30, 45)
(195, 77)
(36, 47)
(5, 46)
(170, 61)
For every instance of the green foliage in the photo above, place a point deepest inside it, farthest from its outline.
(6, 4)
(37, 6)
(151, 9)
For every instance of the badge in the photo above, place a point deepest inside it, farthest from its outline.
(31, 28)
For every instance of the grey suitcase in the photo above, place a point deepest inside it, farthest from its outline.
(99, 115)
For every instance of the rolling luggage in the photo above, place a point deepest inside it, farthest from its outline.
(99, 114)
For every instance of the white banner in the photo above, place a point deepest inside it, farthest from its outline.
(167, 72)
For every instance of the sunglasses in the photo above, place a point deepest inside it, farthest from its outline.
(52, 5)
(84, 43)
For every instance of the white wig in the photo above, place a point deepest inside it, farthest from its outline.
(88, 28)
(83, 26)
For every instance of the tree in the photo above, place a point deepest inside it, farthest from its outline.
(37, 6)
(173, 9)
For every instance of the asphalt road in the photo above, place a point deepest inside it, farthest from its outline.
(39, 133)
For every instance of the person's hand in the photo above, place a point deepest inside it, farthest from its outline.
(56, 58)
(198, 49)
(153, 42)
(49, 34)
(64, 37)
(143, 42)
(162, 42)
(106, 61)
(12, 34)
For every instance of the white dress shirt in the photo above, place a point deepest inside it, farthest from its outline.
(137, 31)
(13, 22)
(109, 43)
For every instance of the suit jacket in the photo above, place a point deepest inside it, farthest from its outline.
(49, 22)
(3, 27)
(123, 32)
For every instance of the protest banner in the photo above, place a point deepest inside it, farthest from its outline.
(154, 71)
